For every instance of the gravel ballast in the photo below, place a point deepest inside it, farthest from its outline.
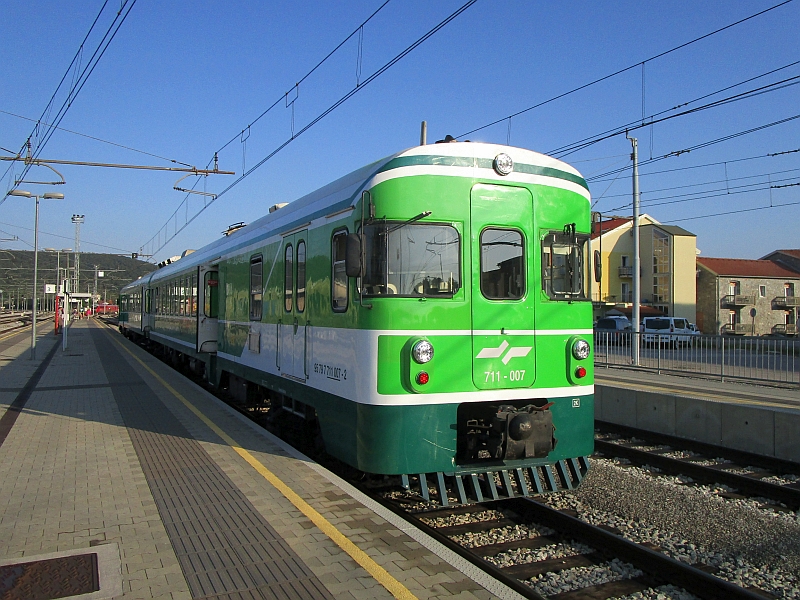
(749, 545)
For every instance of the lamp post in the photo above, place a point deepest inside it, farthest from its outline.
(47, 196)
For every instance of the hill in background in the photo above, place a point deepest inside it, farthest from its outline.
(16, 273)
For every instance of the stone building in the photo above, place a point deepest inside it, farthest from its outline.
(747, 297)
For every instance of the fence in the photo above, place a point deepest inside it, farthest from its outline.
(763, 359)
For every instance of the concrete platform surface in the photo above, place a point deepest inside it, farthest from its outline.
(179, 496)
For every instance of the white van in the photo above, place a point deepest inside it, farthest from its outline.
(667, 330)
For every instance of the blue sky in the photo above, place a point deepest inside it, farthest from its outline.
(180, 80)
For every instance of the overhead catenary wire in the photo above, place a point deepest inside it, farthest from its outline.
(652, 120)
(91, 137)
(306, 76)
(700, 184)
(696, 147)
(63, 237)
(360, 86)
(49, 105)
(719, 193)
(733, 212)
(624, 70)
(78, 83)
(711, 164)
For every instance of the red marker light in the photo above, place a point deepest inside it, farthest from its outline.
(423, 378)
(580, 372)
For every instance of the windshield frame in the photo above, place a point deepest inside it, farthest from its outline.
(579, 242)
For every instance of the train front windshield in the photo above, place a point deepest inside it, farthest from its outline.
(417, 259)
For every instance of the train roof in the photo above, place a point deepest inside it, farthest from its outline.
(464, 159)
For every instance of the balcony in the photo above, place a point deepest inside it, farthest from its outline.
(738, 300)
(784, 329)
(737, 329)
(625, 271)
(786, 301)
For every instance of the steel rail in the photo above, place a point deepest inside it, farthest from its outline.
(740, 456)
(657, 564)
(675, 466)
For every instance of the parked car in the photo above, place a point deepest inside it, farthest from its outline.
(671, 331)
(612, 330)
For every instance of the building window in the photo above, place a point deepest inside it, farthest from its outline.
(734, 288)
(762, 291)
(625, 261)
(788, 290)
(662, 293)
(256, 277)
(339, 275)
(627, 295)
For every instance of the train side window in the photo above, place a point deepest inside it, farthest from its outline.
(502, 264)
(256, 277)
(194, 294)
(288, 279)
(301, 276)
(148, 301)
(211, 285)
(339, 286)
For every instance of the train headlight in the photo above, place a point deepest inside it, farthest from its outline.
(422, 351)
(580, 349)
(503, 164)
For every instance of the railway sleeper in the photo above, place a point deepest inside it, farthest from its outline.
(453, 489)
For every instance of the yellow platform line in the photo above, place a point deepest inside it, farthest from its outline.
(397, 589)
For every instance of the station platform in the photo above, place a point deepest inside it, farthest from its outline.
(121, 478)
(743, 416)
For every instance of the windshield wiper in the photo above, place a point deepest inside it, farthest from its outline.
(421, 215)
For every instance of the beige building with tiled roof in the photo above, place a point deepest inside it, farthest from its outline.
(667, 267)
(747, 297)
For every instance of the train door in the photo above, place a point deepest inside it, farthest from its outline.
(292, 345)
(503, 286)
(207, 307)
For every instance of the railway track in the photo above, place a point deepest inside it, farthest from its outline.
(742, 474)
(551, 541)
(16, 321)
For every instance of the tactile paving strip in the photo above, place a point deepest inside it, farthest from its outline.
(50, 579)
(226, 549)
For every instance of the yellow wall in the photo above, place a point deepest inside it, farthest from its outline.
(619, 242)
(684, 276)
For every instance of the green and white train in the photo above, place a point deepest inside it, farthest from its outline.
(427, 312)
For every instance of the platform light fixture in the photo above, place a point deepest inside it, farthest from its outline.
(47, 196)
